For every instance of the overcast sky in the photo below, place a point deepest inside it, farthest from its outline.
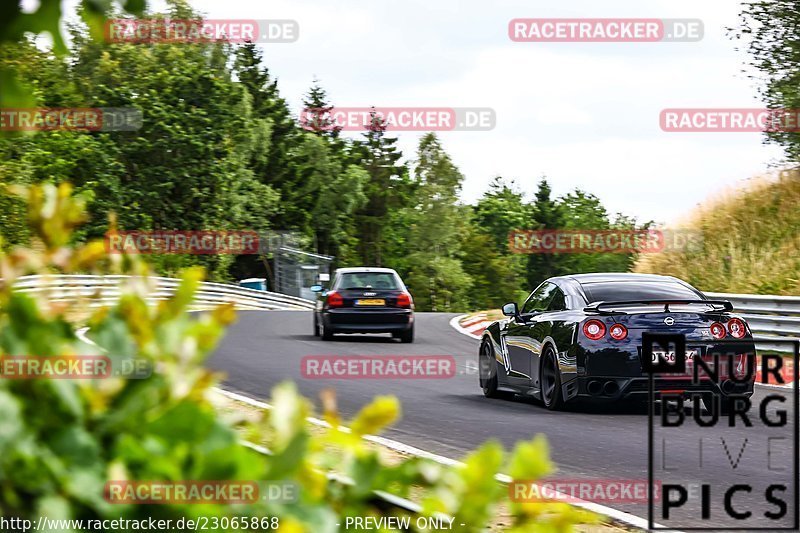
(583, 114)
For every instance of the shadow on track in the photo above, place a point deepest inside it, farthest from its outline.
(358, 337)
(346, 338)
(587, 407)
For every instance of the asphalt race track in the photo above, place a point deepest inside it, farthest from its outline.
(450, 416)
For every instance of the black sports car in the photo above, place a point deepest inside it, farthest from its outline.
(364, 300)
(581, 336)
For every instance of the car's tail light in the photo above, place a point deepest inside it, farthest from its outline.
(618, 332)
(404, 300)
(335, 299)
(717, 330)
(736, 328)
(594, 329)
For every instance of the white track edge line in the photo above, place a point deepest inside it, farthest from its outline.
(614, 514)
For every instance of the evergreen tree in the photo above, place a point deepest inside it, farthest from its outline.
(275, 169)
(387, 189)
(771, 34)
(546, 214)
(316, 113)
(501, 210)
(435, 275)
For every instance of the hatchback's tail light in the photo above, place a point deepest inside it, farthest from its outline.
(736, 328)
(618, 332)
(594, 329)
(717, 330)
(335, 299)
(404, 300)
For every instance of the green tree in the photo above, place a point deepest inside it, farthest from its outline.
(329, 195)
(316, 111)
(498, 274)
(497, 277)
(771, 33)
(546, 214)
(500, 210)
(188, 166)
(386, 190)
(435, 275)
(581, 210)
(275, 169)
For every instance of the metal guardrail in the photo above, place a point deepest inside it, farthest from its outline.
(105, 290)
(771, 318)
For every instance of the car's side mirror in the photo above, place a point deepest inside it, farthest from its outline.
(316, 288)
(511, 309)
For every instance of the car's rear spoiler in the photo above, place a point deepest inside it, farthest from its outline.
(602, 307)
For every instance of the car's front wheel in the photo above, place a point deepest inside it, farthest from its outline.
(487, 370)
(551, 381)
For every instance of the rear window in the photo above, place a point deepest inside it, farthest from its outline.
(637, 290)
(368, 280)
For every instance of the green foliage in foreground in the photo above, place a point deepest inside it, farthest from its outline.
(62, 440)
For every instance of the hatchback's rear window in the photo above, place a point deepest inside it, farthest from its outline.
(637, 290)
(368, 280)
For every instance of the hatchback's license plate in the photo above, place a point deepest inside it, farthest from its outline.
(373, 301)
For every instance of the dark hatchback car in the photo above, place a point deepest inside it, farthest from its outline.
(364, 300)
(580, 336)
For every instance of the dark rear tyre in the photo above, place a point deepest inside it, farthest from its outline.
(487, 370)
(725, 403)
(327, 333)
(316, 326)
(551, 381)
(406, 336)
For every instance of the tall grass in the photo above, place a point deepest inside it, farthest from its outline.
(750, 240)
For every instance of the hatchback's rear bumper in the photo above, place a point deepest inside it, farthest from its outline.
(380, 320)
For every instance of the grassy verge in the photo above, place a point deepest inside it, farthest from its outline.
(745, 240)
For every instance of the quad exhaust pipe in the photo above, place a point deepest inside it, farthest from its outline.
(610, 388)
(607, 388)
